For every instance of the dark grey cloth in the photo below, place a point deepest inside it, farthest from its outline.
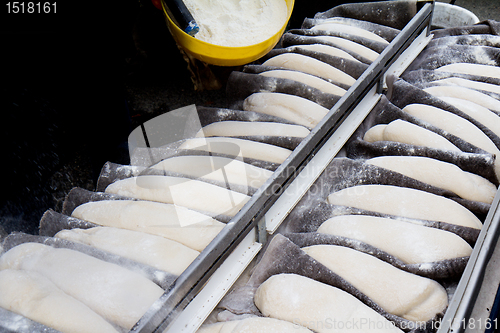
(395, 14)
(435, 57)
(485, 27)
(284, 256)
(313, 209)
(476, 161)
(383, 31)
(241, 85)
(402, 94)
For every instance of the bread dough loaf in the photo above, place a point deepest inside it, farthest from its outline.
(483, 115)
(239, 148)
(477, 85)
(222, 169)
(453, 124)
(327, 49)
(398, 292)
(317, 306)
(189, 193)
(255, 128)
(180, 224)
(32, 295)
(349, 45)
(351, 30)
(296, 109)
(472, 69)
(254, 325)
(406, 132)
(441, 174)
(411, 243)
(308, 79)
(465, 93)
(375, 133)
(117, 294)
(156, 251)
(299, 62)
(405, 202)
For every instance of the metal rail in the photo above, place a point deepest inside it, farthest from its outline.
(458, 315)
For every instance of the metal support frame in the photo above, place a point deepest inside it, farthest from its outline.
(163, 314)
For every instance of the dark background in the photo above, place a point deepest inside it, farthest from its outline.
(75, 83)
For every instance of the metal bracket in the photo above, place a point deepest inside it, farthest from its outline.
(262, 231)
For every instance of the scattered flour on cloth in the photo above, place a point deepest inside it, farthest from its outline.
(237, 22)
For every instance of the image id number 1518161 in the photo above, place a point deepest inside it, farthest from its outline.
(21, 7)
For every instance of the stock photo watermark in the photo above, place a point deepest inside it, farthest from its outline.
(367, 324)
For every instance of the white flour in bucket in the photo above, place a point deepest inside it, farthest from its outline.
(237, 22)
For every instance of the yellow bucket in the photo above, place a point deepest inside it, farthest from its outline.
(224, 55)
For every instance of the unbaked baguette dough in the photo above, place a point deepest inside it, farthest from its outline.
(293, 108)
(457, 81)
(483, 115)
(375, 133)
(441, 174)
(351, 30)
(317, 306)
(405, 202)
(411, 243)
(398, 292)
(222, 169)
(453, 124)
(189, 193)
(255, 128)
(116, 293)
(253, 325)
(32, 295)
(311, 66)
(347, 44)
(465, 93)
(215, 327)
(472, 69)
(239, 148)
(327, 49)
(156, 251)
(406, 132)
(183, 225)
(308, 79)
